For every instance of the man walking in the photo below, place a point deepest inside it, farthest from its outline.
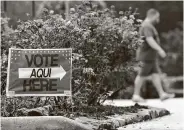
(148, 54)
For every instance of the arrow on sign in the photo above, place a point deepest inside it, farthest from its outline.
(55, 72)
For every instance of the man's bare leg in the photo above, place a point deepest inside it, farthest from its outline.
(139, 81)
(158, 85)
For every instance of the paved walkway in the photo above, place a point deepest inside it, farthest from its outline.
(175, 121)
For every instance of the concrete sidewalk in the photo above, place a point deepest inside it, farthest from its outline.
(175, 121)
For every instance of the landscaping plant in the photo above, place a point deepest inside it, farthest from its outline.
(103, 48)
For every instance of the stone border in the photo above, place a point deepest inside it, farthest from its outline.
(80, 123)
(116, 121)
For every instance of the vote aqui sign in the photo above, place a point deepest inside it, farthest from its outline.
(39, 72)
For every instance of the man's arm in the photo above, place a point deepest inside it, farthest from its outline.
(153, 44)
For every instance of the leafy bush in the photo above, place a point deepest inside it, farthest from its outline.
(173, 65)
(5, 35)
(103, 48)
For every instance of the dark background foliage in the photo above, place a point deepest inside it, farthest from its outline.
(171, 11)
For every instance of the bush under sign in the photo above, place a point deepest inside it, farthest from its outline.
(39, 72)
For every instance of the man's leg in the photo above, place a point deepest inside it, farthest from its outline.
(158, 85)
(139, 81)
(143, 74)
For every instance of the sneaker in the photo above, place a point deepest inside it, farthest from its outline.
(166, 96)
(137, 98)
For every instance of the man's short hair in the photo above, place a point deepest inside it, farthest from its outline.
(152, 12)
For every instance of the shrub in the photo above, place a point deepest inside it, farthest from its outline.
(103, 48)
(173, 65)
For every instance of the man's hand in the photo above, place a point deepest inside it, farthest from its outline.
(162, 53)
(155, 46)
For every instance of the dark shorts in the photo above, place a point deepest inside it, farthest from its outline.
(148, 67)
